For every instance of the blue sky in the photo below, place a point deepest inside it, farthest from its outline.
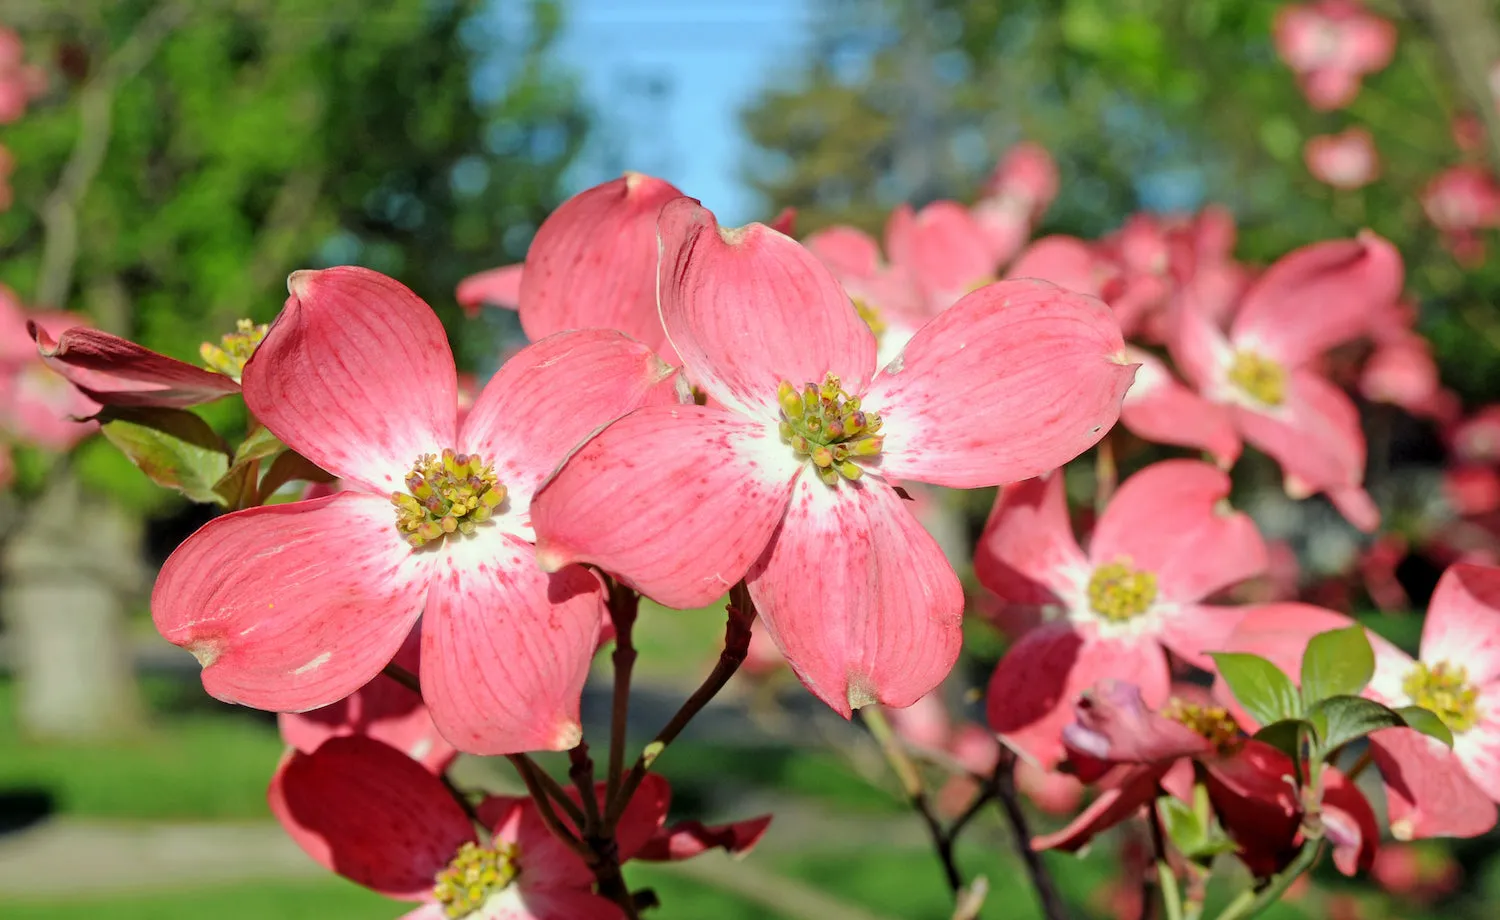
(712, 56)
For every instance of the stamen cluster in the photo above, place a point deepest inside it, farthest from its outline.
(1261, 378)
(1445, 690)
(453, 493)
(473, 875)
(1213, 723)
(234, 349)
(1119, 593)
(825, 425)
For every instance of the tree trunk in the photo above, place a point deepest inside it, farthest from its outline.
(70, 567)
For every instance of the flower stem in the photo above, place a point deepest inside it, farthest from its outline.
(624, 605)
(741, 613)
(403, 677)
(1253, 901)
(552, 789)
(529, 772)
(1010, 805)
(581, 772)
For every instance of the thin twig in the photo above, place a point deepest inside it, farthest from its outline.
(916, 792)
(741, 613)
(1052, 904)
(529, 771)
(460, 798)
(403, 677)
(581, 772)
(525, 765)
(624, 606)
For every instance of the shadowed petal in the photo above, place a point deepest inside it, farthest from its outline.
(1168, 519)
(1136, 790)
(356, 376)
(1036, 685)
(677, 501)
(1463, 622)
(1027, 554)
(858, 596)
(687, 839)
(1113, 723)
(552, 396)
(500, 287)
(371, 814)
(1350, 823)
(506, 647)
(291, 607)
(748, 308)
(1428, 792)
(116, 372)
(1015, 379)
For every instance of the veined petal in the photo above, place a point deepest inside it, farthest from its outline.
(1428, 793)
(593, 262)
(678, 501)
(291, 607)
(687, 839)
(1158, 408)
(1015, 379)
(1036, 685)
(858, 596)
(555, 904)
(500, 287)
(1136, 790)
(1027, 554)
(1314, 435)
(552, 396)
(1317, 297)
(356, 376)
(747, 308)
(116, 372)
(371, 814)
(943, 248)
(1168, 520)
(1463, 622)
(506, 647)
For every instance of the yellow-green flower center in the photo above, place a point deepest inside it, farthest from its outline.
(473, 875)
(1444, 689)
(1119, 593)
(870, 314)
(452, 493)
(827, 427)
(1259, 377)
(229, 356)
(1213, 723)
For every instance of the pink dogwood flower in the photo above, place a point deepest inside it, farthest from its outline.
(36, 405)
(373, 815)
(1262, 376)
(787, 478)
(1165, 542)
(1014, 198)
(295, 606)
(1346, 160)
(1331, 45)
(1430, 790)
(19, 82)
(1460, 202)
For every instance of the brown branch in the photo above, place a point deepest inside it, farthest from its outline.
(624, 606)
(1052, 904)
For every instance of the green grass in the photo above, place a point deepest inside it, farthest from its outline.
(333, 899)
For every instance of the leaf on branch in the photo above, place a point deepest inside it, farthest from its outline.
(1265, 692)
(290, 466)
(1341, 719)
(1426, 722)
(174, 447)
(1339, 662)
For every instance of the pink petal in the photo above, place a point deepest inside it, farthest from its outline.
(943, 248)
(681, 525)
(1015, 379)
(748, 308)
(1027, 554)
(1032, 694)
(1478, 749)
(1113, 806)
(1315, 434)
(546, 862)
(1158, 408)
(1191, 631)
(356, 376)
(116, 372)
(1329, 88)
(1347, 280)
(500, 287)
(552, 396)
(592, 264)
(1113, 723)
(858, 596)
(506, 647)
(291, 607)
(687, 839)
(1066, 261)
(1428, 793)
(1198, 348)
(1350, 823)
(557, 904)
(847, 251)
(1168, 519)
(383, 710)
(1252, 793)
(1463, 622)
(371, 814)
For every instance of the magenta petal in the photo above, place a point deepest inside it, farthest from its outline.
(592, 264)
(356, 376)
(116, 372)
(1428, 792)
(1015, 379)
(1350, 824)
(291, 607)
(500, 287)
(371, 814)
(747, 308)
(1136, 790)
(552, 396)
(858, 596)
(1113, 723)
(1027, 554)
(1158, 408)
(678, 501)
(1168, 519)
(506, 647)
(1348, 280)
(1463, 622)
(1032, 693)
(687, 839)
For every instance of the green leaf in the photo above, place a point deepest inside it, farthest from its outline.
(1180, 823)
(260, 444)
(290, 466)
(237, 488)
(1339, 662)
(1426, 722)
(174, 447)
(1352, 717)
(1285, 736)
(1265, 692)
